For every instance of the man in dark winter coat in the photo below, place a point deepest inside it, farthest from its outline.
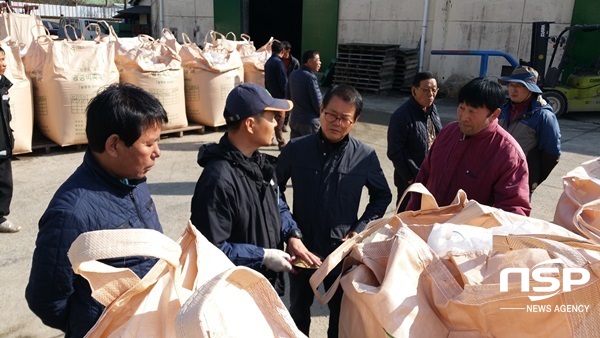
(236, 203)
(413, 128)
(289, 61)
(6, 145)
(108, 191)
(291, 64)
(329, 170)
(276, 79)
(303, 89)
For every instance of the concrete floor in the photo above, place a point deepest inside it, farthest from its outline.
(38, 175)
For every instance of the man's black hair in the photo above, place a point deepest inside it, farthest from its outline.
(420, 77)
(309, 54)
(276, 47)
(122, 109)
(348, 94)
(286, 45)
(481, 92)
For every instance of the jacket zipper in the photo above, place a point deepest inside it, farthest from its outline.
(137, 210)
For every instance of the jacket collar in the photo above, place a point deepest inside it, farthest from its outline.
(305, 67)
(90, 162)
(5, 82)
(258, 166)
(492, 128)
(327, 147)
(416, 105)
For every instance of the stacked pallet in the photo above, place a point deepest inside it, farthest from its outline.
(407, 64)
(367, 67)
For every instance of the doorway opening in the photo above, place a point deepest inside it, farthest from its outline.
(282, 20)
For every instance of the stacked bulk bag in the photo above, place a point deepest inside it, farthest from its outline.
(169, 39)
(21, 103)
(254, 60)
(65, 76)
(246, 46)
(209, 76)
(22, 28)
(155, 67)
(224, 43)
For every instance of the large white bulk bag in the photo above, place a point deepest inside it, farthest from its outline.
(72, 73)
(254, 61)
(209, 76)
(21, 102)
(155, 67)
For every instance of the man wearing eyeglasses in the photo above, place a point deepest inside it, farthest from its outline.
(413, 128)
(329, 170)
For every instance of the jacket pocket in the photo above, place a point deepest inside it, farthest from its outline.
(339, 231)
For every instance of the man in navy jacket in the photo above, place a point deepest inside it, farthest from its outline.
(108, 191)
(329, 170)
(303, 89)
(276, 79)
(412, 129)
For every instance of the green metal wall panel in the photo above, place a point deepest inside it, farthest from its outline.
(228, 16)
(586, 49)
(320, 28)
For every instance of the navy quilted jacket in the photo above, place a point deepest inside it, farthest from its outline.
(91, 199)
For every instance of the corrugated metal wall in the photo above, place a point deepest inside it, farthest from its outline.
(45, 10)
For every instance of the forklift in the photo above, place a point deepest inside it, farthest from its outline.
(581, 90)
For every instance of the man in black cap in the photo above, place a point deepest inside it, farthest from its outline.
(531, 121)
(236, 203)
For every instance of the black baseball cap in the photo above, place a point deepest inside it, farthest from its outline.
(249, 99)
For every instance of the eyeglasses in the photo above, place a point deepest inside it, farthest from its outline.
(429, 91)
(331, 118)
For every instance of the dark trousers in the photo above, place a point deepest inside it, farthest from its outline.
(300, 129)
(302, 296)
(6, 188)
(279, 117)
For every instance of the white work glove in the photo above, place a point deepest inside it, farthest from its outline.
(277, 260)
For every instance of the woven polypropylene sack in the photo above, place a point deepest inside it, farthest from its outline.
(209, 76)
(578, 208)
(21, 98)
(72, 73)
(155, 67)
(239, 302)
(399, 287)
(144, 307)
